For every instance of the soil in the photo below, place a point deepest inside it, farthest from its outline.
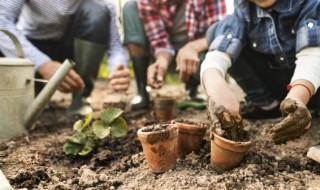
(36, 160)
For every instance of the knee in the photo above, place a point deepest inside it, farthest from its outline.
(130, 8)
(95, 12)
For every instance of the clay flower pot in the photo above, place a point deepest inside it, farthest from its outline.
(190, 137)
(165, 108)
(160, 144)
(226, 154)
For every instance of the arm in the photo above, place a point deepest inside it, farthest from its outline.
(305, 82)
(117, 57)
(10, 11)
(9, 14)
(187, 58)
(154, 25)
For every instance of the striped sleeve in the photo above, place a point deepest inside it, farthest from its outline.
(9, 14)
(116, 52)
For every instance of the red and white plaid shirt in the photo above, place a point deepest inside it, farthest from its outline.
(157, 17)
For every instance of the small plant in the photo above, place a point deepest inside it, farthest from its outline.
(87, 136)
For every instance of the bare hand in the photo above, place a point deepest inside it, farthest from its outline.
(223, 122)
(120, 79)
(156, 73)
(71, 82)
(187, 62)
(296, 122)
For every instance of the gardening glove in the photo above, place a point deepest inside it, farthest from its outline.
(223, 122)
(296, 122)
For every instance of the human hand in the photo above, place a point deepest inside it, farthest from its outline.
(120, 79)
(296, 122)
(187, 62)
(70, 83)
(223, 122)
(156, 73)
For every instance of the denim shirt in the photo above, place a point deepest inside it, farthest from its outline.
(279, 32)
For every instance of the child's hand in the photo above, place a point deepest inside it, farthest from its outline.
(296, 122)
(224, 123)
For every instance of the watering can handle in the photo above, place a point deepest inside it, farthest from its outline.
(16, 42)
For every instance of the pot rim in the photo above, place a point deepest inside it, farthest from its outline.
(230, 144)
(187, 128)
(170, 128)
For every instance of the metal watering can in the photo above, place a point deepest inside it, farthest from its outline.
(18, 106)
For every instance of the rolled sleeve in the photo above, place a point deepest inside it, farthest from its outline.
(230, 36)
(308, 27)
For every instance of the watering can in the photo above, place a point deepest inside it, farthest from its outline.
(18, 105)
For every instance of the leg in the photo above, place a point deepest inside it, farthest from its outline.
(136, 41)
(87, 41)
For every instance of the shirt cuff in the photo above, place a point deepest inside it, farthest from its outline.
(308, 66)
(215, 60)
(113, 61)
(169, 50)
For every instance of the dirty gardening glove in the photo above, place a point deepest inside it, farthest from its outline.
(296, 122)
(222, 122)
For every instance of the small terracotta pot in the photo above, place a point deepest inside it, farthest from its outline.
(165, 108)
(226, 154)
(160, 146)
(190, 137)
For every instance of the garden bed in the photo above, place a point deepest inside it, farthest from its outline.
(37, 161)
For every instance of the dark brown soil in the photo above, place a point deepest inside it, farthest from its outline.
(36, 160)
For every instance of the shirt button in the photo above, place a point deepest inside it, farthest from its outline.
(281, 58)
(254, 44)
(229, 36)
(293, 31)
(310, 25)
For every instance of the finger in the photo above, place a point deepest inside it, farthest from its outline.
(287, 131)
(119, 74)
(120, 87)
(120, 81)
(151, 74)
(71, 83)
(282, 139)
(182, 72)
(284, 123)
(76, 78)
(160, 74)
(195, 66)
(64, 87)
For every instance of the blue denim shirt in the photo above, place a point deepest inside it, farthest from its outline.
(278, 32)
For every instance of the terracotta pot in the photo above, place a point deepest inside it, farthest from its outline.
(190, 137)
(160, 145)
(226, 154)
(165, 108)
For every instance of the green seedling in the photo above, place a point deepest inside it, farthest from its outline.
(87, 135)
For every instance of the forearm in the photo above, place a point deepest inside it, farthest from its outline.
(164, 56)
(306, 74)
(198, 45)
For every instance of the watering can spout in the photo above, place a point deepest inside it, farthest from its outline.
(46, 93)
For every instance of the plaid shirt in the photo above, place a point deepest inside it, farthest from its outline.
(157, 17)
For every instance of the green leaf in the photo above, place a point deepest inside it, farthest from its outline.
(119, 127)
(78, 126)
(72, 148)
(90, 142)
(88, 119)
(86, 150)
(108, 115)
(78, 138)
(100, 130)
